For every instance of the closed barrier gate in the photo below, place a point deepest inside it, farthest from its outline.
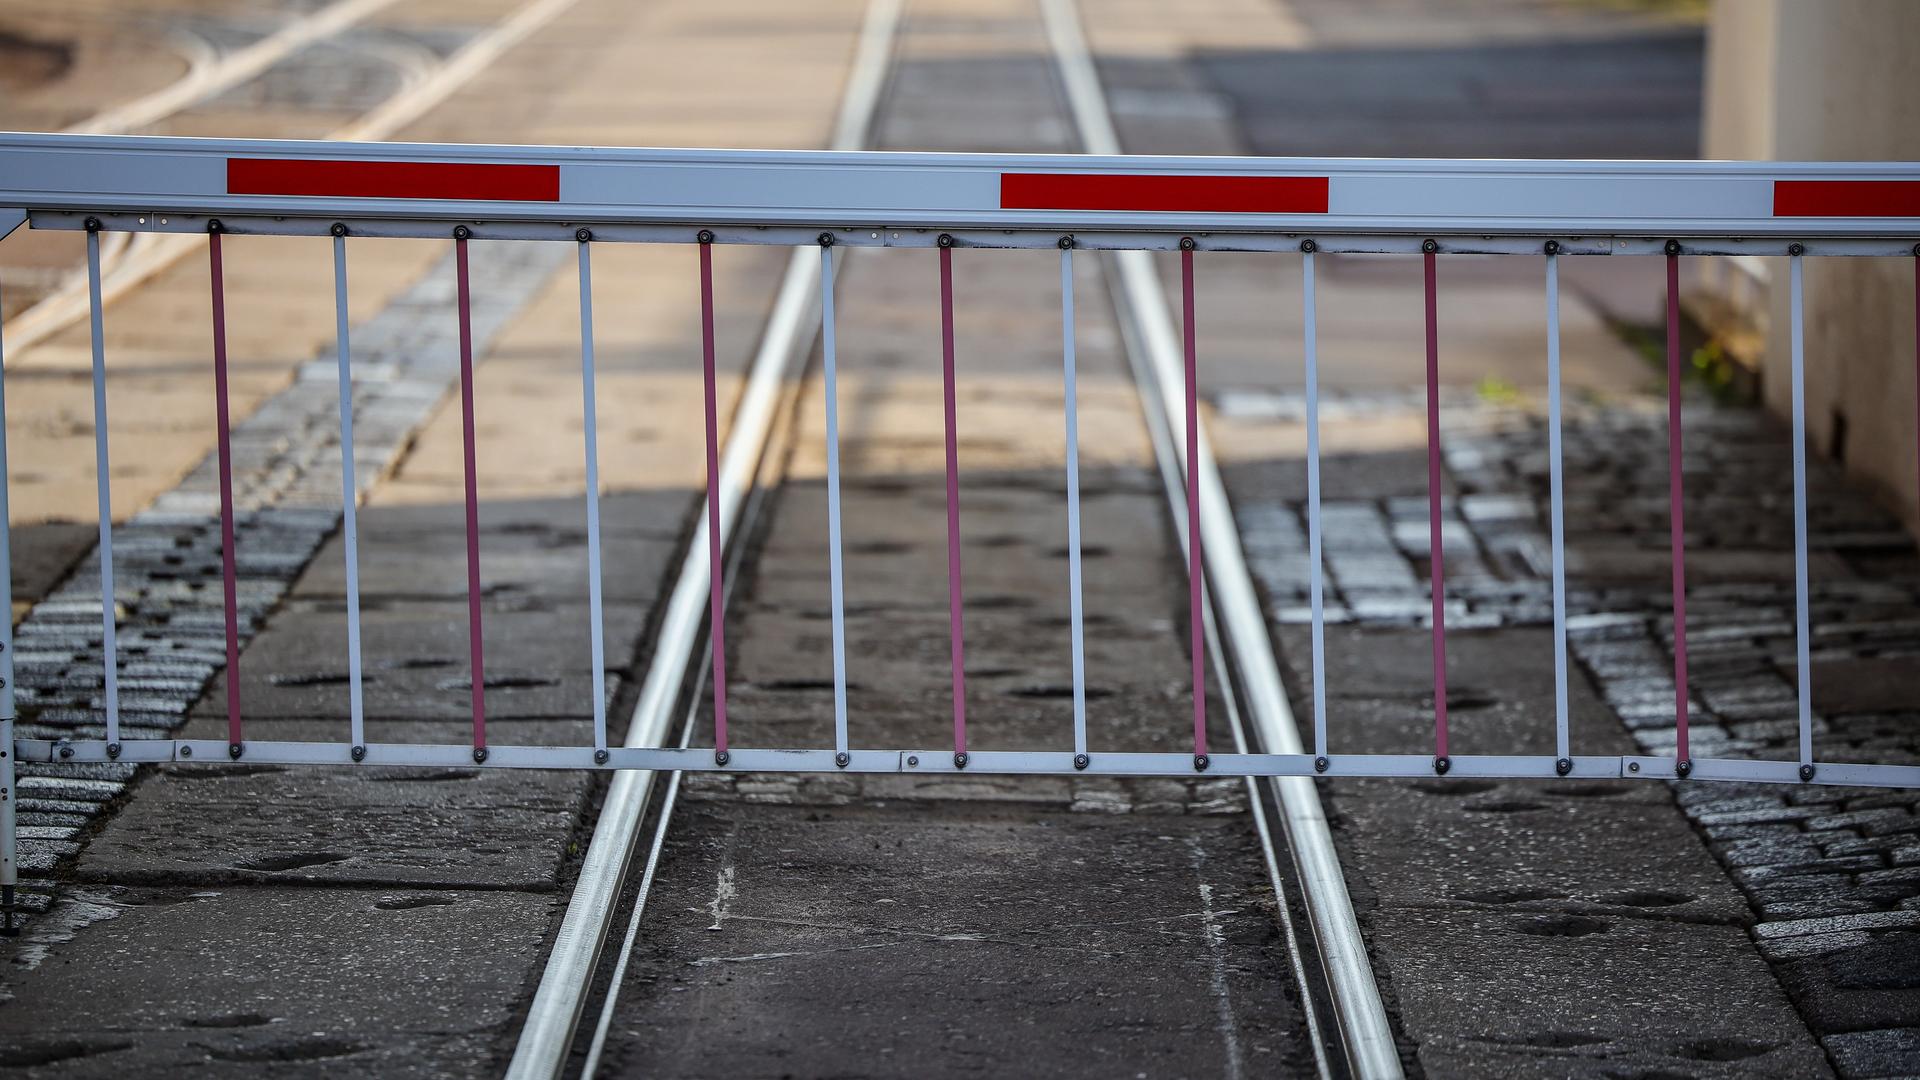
(942, 203)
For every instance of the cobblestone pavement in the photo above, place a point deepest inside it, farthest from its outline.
(1832, 874)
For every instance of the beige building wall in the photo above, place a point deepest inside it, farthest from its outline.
(1830, 80)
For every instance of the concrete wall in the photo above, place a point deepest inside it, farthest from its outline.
(1832, 80)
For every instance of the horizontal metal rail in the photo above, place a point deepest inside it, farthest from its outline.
(213, 753)
(168, 183)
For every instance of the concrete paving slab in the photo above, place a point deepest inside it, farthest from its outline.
(288, 982)
(240, 824)
(1567, 996)
(528, 547)
(416, 663)
(870, 941)
(1582, 847)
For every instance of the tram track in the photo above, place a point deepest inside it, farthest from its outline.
(1326, 958)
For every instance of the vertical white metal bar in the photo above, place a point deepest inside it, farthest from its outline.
(1074, 596)
(1317, 585)
(1802, 635)
(1556, 467)
(830, 368)
(590, 410)
(9, 862)
(109, 647)
(349, 494)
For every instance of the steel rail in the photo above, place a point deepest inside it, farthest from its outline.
(546, 1038)
(1155, 352)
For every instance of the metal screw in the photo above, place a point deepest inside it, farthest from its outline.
(113, 750)
(1081, 761)
(93, 224)
(1796, 249)
(721, 757)
(1916, 251)
(1683, 767)
(234, 750)
(66, 751)
(1633, 766)
(1553, 247)
(1429, 246)
(705, 236)
(1673, 247)
(600, 757)
(479, 755)
(913, 761)
(1199, 763)
(826, 239)
(1187, 244)
(1308, 247)
(1321, 764)
(1066, 242)
(461, 232)
(358, 753)
(1806, 772)
(1441, 765)
(583, 235)
(213, 225)
(946, 240)
(960, 760)
(339, 228)
(1563, 766)
(843, 759)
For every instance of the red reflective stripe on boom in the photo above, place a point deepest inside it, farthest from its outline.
(393, 179)
(1198, 194)
(1846, 198)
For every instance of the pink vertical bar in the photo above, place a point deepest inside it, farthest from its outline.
(475, 647)
(716, 593)
(953, 507)
(1916, 357)
(228, 575)
(1437, 553)
(1676, 510)
(1197, 644)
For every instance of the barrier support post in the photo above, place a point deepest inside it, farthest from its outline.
(9, 863)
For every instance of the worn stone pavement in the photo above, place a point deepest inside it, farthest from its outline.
(1701, 929)
(348, 932)
(1507, 901)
